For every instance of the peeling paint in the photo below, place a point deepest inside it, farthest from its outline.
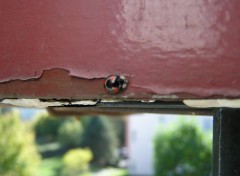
(84, 102)
(122, 37)
(213, 103)
(39, 74)
(32, 103)
(110, 101)
(148, 101)
(36, 103)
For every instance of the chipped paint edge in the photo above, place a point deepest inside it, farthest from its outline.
(213, 103)
(37, 103)
(38, 74)
(148, 101)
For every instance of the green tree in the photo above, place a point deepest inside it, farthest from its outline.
(18, 154)
(101, 138)
(70, 133)
(5, 110)
(46, 126)
(182, 151)
(120, 128)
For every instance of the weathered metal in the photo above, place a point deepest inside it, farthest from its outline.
(226, 142)
(125, 108)
(170, 49)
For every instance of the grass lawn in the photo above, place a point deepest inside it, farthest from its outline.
(111, 172)
(48, 147)
(52, 166)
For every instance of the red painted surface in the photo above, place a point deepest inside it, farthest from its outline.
(172, 47)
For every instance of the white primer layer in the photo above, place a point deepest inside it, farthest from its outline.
(36, 103)
(148, 101)
(110, 101)
(84, 102)
(213, 103)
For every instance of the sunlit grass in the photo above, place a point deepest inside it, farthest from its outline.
(112, 172)
(52, 167)
(48, 147)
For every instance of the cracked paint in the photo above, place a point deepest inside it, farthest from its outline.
(38, 75)
(31, 103)
(36, 103)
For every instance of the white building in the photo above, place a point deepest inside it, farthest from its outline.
(141, 131)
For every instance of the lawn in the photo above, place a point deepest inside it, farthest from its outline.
(111, 172)
(52, 167)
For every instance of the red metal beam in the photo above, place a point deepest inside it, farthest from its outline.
(173, 48)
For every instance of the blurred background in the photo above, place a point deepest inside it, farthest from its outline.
(34, 142)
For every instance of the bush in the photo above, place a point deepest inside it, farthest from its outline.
(101, 138)
(76, 162)
(18, 154)
(70, 133)
(47, 126)
(182, 151)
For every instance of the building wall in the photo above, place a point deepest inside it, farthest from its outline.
(141, 131)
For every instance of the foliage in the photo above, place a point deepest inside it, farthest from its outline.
(119, 126)
(18, 154)
(70, 133)
(182, 151)
(76, 162)
(100, 137)
(5, 110)
(118, 123)
(47, 126)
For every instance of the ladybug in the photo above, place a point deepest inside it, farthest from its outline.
(115, 84)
